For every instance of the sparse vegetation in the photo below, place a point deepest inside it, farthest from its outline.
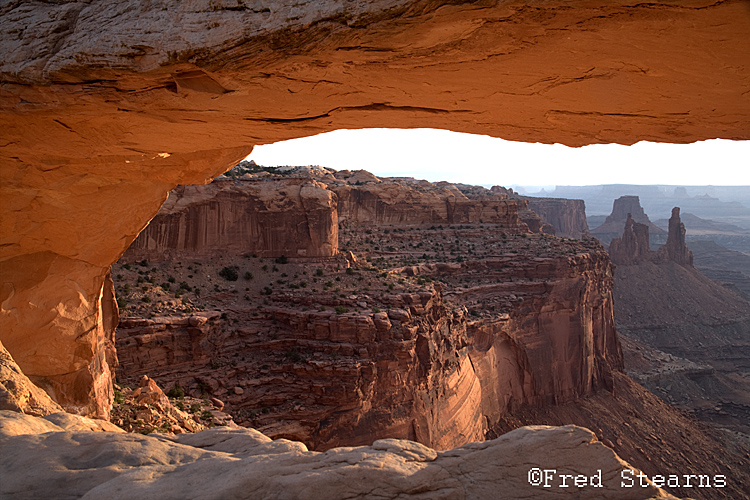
(229, 273)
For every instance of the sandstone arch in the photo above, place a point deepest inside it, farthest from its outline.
(105, 106)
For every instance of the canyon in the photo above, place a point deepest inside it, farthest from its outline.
(103, 114)
(685, 337)
(433, 361)
(440, 333)
(100, 110)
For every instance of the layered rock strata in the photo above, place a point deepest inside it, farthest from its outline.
(408, 364)
(567, 217)
(323, 378)
(102, 113)
(267, 218)
(412, 202)
(221, 463)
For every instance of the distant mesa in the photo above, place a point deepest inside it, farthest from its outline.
(625, 207)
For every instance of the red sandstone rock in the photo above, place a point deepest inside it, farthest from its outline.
(417, 370)
(294, 217)
(675, 250)
(406, 201)
(18, 393)
(567, 217)
(114, 114)
(633, 247)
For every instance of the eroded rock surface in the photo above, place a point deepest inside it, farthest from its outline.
(567, 217)
(676, 250)
(623, 209)
(103, 113)
(220, 463)
(18, 393)
(294, 218)
(342, 351)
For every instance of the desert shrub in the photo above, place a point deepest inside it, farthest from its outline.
(229, 273)
(248, 275)
(282, 260)
(349, 270)
(294, 355)
(318, 272)
(176, 392)
(341, 310)
(146, 299)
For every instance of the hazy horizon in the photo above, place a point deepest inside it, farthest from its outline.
(441, 155)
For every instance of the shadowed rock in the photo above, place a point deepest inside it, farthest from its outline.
(245, 464)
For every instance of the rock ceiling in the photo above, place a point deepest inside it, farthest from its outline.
(105, 106)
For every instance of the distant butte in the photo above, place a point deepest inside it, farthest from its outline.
(103, 113)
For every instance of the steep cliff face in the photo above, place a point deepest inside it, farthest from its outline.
(420, 202)
(568, 217)
(268, 218)
(329, 379)
(633, 247)
(558, 340)
(406, 364)
(676, 250)
(102, 113)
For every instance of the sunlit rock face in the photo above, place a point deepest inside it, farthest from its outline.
(267, 218)
(106, 106)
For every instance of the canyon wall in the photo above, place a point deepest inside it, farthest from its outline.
(103, 113)
(568, 217)
(267, 218)
(323, 378)
(420, 202)
(425, 368)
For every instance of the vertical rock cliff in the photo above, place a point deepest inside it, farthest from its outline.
(106, 106)
(434, 344)
(676, 250)
(267, 218)
(568, 217)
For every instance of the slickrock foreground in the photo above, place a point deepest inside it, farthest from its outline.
(51, 460)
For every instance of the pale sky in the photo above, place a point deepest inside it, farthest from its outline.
(440, 155)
